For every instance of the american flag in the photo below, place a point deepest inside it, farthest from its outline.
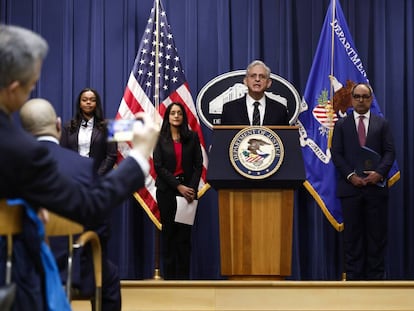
(141, 95)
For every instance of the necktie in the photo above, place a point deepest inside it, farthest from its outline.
(256, 114)
(361, 131)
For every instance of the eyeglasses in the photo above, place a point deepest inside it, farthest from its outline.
(255, 76)
(359, 96)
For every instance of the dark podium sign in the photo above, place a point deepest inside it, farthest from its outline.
(221, 174)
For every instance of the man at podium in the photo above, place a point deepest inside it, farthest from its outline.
(255, 180)
(255, 108)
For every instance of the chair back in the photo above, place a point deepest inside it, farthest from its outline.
(10, 218)
(10, 224)
(60, 226)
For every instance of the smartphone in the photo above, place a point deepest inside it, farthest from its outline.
(120, 130)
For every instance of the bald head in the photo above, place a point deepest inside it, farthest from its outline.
(39, 118)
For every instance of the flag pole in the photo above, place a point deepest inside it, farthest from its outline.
(157, 51)
(157, 273)
(343, 274)
(332, 45)
(330, 112)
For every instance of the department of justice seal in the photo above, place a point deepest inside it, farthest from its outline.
(256, 152)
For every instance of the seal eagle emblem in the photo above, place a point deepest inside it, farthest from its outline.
(256, 152)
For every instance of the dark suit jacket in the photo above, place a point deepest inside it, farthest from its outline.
(28, 269)
(165, 162)
(235, 113)
(29, 172)
(71, 164)
(81, 169)
(345, 148)
(104, 153)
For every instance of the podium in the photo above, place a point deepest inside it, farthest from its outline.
(255, 215)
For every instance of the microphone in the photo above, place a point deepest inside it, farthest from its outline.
(84, 123)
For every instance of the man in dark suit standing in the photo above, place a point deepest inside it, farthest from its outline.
(363, 192)
(255, 108)
(39, 118)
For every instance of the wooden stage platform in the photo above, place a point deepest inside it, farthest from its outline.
(158, 295)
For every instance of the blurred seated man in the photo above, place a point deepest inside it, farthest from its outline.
(38, 117)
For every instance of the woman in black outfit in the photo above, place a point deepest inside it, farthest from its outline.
(87, 134)
(178, 162)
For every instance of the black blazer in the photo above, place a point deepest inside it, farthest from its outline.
(235, 113)
(29, 172)
(103, 153)
(345, 148)
(165, 162)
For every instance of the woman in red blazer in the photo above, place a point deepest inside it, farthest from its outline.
(178, 162)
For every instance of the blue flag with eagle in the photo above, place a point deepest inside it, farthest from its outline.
(336, 68)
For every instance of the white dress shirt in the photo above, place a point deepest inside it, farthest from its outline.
(84, 137)
(250, 106)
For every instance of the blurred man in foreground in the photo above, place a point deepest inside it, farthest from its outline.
(29, 172)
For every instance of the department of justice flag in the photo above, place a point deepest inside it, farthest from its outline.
(336, 67)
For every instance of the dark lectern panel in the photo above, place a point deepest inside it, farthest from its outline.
(222, 175)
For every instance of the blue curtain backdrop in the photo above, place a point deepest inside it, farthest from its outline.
(94, 42)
